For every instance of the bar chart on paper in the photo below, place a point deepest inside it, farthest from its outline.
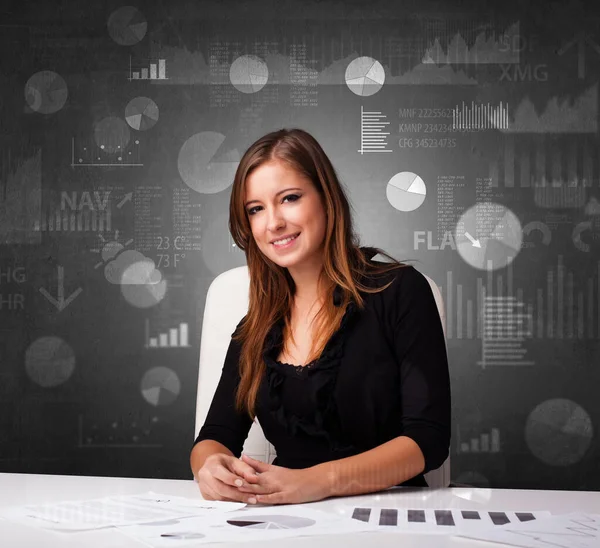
(441, 521)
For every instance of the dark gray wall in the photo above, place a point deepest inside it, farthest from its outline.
(111, 231)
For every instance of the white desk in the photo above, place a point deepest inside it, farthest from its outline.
(19, 489)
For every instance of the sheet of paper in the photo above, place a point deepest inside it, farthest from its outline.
(82, 515)
(575, 530)
(191, 506)
(450, 521)
(248, 524)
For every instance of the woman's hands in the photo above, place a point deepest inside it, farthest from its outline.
(227, 478)
(221, 475)
(279, 485)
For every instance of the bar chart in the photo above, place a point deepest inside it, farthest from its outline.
(476, 116)
(465, 318)
(74, 221)
(20, 195)
(562, 314)
(504, 318)
(486, 442)
(173, 337)
(445, 521)
(547, 166)
(372, 136)
(156, 70)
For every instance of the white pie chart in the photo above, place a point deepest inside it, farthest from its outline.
(206, 163)
(248, 74)
(365, 76)
(488, 236)
(406, 191)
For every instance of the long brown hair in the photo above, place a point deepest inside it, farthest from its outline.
(271, 286)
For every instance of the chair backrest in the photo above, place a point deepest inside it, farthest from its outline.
(227, 302)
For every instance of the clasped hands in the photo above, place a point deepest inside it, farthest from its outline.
(224, 477)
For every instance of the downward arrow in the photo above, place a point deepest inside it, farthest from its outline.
(473, 240)
(61, 303)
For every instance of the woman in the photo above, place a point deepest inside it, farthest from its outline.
(341, 358)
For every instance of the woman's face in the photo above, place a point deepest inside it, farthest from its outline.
(281, 202)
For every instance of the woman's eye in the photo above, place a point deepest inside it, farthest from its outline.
(254, 209)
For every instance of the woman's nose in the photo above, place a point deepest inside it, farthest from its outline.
(275, 220)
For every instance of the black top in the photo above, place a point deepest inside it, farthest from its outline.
(383, 374)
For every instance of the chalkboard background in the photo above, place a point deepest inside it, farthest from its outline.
(122, 125)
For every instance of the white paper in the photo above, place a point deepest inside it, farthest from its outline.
(248, 524)
(450, 521)
(575, 530)
(81, 515)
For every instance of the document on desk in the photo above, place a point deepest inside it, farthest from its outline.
(575, 530)
(247, 524)
(81, 515)
(449, 521)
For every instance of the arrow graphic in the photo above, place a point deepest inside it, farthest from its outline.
(60, 303)
(472, 240)
(126, 198)
(580, 39)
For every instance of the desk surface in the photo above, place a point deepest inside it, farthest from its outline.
(19, 489)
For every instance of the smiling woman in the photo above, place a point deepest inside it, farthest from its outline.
(341, 358)
(289, 222)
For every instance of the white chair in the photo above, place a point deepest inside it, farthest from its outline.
(226, 304)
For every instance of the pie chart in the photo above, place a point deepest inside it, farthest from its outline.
(488, 236)
(183, 536)
(406, 191)
(127, 26)
(559, 432)
(49, 361)
(365, 76)
(141, 113)
(248, 73)
(160, 386)
(46, 92)
(272, 522)
(206, 164)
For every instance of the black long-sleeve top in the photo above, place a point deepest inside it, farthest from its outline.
(383, 374)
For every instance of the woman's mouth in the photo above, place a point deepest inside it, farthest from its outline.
(288, 242)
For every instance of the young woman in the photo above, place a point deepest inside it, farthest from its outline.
(342, 358)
